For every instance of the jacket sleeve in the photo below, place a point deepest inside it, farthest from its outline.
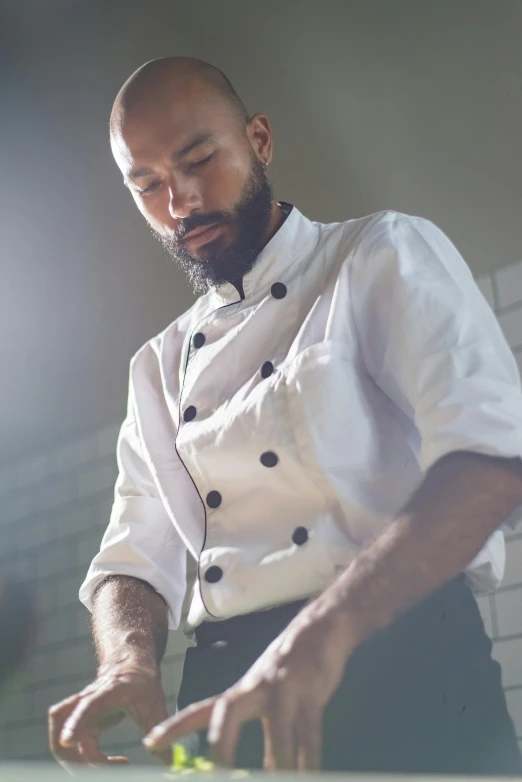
(431, 342)
(140, 540)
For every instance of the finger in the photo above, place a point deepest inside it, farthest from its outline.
(229, 714)
(191, 719)
(57, 715)
(269, 762)
(280, 741)
(93, 756)
(154, 717)
(309, 740)
(150, 714)
(90, 711)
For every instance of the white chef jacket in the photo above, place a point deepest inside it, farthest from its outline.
(271, 436)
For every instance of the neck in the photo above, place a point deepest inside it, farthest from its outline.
(277, 219)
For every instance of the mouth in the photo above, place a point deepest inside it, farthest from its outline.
(202, 235)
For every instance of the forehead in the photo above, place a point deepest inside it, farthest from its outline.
(157, 128)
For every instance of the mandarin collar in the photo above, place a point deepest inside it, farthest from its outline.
(275, 262)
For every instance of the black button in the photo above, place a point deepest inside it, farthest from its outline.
(269, 459)
(300, 536)
(267, 369)
(278, 290)
(213, 574)
(190, 413)
(214, 499)
(198, 340)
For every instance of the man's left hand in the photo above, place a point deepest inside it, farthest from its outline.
(287, 688)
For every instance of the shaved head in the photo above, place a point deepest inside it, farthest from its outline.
(195, 163)
(174, 78)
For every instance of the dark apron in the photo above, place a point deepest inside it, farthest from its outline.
(422, 696)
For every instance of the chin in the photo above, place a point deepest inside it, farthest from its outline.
(209, 250)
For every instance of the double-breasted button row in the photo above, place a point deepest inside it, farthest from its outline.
(278, 291)
(268, 459)
(214, 573)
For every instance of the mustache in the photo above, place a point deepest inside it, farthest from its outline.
(199, 221)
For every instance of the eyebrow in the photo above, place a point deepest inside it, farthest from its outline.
(202, 138)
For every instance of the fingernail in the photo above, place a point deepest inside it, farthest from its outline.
(66, 736)
(149, 741)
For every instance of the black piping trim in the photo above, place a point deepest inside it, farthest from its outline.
(181, 460)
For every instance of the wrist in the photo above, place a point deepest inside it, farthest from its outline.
(338, 621)
(130, 659)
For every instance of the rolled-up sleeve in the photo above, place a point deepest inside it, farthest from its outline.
(432, 343)
(140, 540)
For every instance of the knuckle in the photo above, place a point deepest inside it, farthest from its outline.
(56, 709)
(274, 689)
(309, 717)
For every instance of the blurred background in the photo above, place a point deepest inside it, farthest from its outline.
(411, 105)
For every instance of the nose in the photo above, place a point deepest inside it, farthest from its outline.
(184, 199)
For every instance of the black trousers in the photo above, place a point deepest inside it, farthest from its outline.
(422, 696)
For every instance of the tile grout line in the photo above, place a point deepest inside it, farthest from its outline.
(494, 620)
(494, 288)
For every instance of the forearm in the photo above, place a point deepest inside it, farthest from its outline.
(129, 622)
(462, 500)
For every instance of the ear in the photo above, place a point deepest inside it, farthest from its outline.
(259, 135)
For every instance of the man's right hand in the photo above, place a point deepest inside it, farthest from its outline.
(126, 689)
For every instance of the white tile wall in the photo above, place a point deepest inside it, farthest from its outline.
(514, 564)
(507, 653)
(486, 287)
(509, 284)
(484, 604)
(514, 702)
(502, 612)
(8, 480)
(35, 470)
(511, 324)
(71, 456)
(107, 439)
(508, 607)
(99, 476)
(518, 361)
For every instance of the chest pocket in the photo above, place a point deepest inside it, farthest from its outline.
(329, 407)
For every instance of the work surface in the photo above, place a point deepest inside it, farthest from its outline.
(48, 772)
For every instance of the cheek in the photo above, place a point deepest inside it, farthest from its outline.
(150, 212)
(228, 181)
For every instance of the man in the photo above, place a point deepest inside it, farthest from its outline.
(333, 431)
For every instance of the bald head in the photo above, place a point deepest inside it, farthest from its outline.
(192, 159)
(175, 81)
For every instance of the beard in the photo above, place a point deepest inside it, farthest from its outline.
(221, 264)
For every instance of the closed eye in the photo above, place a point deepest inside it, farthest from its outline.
(202, 162)
(150, 188)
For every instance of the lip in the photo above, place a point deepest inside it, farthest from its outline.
(201, 235)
